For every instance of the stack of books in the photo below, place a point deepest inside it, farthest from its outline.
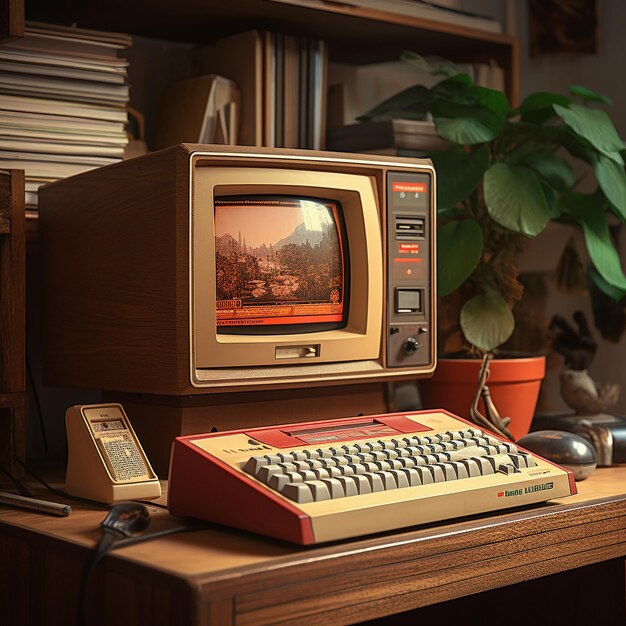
(295, 87)
(410, 138)
(282, 80)
(63, 101)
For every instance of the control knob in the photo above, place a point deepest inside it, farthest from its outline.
(410, 345)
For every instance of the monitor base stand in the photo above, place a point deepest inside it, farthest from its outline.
(157, 419)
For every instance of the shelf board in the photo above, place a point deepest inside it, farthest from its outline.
(354, 34)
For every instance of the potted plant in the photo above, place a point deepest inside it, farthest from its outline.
(508, 172)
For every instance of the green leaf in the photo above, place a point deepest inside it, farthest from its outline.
(588, 95)
(595, 126)
(551, 199)
(491, 99)
(612, 180)
(454, 90)
(464, 125)
(458, 174)
(447, 68)
(460, 246)
(552, 168)
(515, 199)
(487, 321)
(608, 290)
(446, 214)
(412, 103)
(589, 212)
(537, 108)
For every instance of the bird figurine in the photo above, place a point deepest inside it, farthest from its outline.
(581, 393)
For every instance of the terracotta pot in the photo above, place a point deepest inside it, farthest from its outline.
(513, 383)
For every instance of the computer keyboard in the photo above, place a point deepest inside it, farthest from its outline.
(322, 481)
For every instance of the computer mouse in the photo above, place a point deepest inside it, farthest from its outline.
(127, 518)
(571, 451)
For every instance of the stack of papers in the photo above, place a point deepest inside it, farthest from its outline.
(63, 99)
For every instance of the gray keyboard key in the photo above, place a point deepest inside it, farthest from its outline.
(334, 487)
(383, 465)
(430, 474)
(254, 464)
(459, 469)
(306, 465)
(349, 485)
(324, 453)
(400, 443)
(388, 480)
(298, 492)
(307, 475)
(520, 460)
(375, 481)
(320, 473)
(319, 489)
(414, 477)
(485, 466)
(349, 449)
(299, 455)
(363, 485)
(289, 467)
(438, 473)
(358, 468)
(472, 467)
(278, 481)
(400, 478)
(285, 457)
(267, 471)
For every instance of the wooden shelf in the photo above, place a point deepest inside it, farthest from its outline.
(354, 34)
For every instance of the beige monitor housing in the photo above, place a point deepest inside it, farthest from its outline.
(129, 282)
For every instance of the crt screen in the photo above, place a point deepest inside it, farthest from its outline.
(279, 261)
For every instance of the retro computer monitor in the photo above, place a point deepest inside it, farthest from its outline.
(210, 268)
(202, 269)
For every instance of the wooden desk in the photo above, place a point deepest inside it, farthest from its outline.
(220, 576)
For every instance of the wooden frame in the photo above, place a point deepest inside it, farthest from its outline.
(11, 19)
(12, 317)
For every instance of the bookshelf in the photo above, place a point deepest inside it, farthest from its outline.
(12, 318)
(354, 35)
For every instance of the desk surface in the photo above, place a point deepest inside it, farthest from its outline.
(218, 575)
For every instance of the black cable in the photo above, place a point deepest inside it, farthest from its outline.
(149, 503)
(64, 494)
(58, 492)
(192, 527)
(19, 485)
(111, 541)
(33, 387)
